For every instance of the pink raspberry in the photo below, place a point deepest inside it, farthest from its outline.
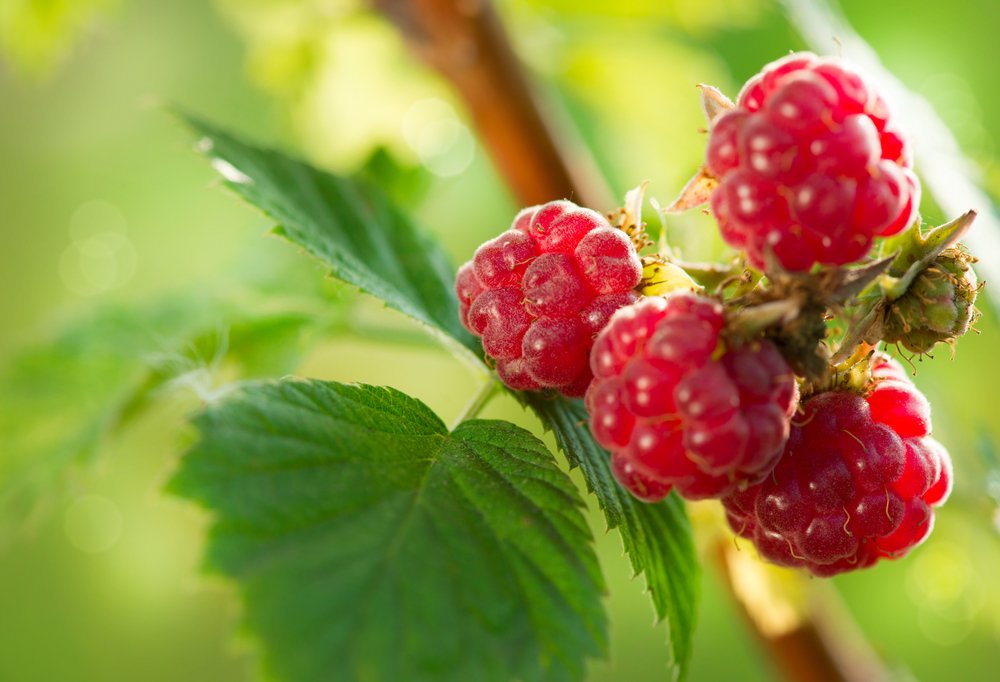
(677, 407)
(539, 293)
(811, 166)
(641, 485)
(856, 483)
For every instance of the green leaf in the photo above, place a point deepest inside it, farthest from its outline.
(372, 544)
(403, 183)
(353, 228)
(657, 537)
(61, 399)
(350, 226)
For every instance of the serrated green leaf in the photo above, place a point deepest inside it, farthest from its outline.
(371, 544)
(657, 537)
(349, 225)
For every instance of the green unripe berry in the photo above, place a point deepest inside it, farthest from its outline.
(939, 306)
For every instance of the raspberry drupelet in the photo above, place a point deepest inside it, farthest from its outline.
(857, 482)
(538, 294)
(811, 166)
(678, 406)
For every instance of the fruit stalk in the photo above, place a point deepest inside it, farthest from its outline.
(478, 402)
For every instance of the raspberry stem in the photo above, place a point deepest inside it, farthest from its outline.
(750, 321)
(858, 331)
(710, 275)
(478, 402)
(747, 283)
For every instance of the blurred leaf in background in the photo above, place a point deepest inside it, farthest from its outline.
(37, 36)
(689, 16)
(61, 400)
(347, 85)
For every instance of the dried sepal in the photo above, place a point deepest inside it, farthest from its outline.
(714, 103)
(696, 192)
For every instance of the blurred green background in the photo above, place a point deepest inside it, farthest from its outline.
(107, 214)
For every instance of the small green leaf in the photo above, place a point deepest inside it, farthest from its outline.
(371, 544)
(657, 537)
(349, 225)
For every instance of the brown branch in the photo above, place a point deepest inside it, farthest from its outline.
(801, 624)
(465, 42)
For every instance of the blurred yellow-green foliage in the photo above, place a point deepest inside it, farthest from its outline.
(104, 205)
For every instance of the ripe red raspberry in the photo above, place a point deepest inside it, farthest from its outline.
(539, 292)
(856, 483)
(811, 166)
(678, 407)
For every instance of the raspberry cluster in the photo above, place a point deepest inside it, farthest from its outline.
(857, 481)
(811, 166)
(698, 393)
(539, 293)
(678, 406)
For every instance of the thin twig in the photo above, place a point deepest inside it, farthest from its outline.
(478, 402)
(858, 331)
